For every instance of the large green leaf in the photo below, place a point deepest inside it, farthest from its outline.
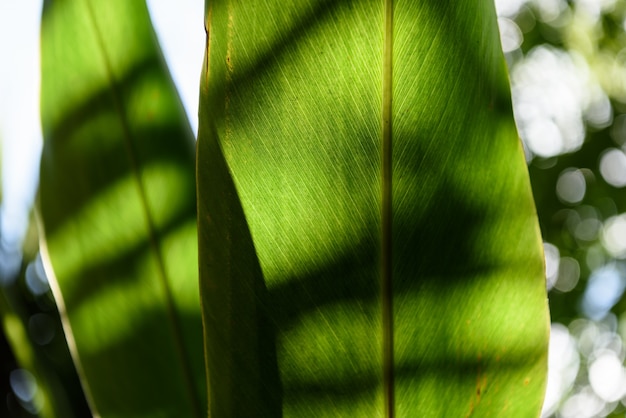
(118, 208)
(368, 240)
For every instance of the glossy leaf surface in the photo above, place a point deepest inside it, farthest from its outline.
(368, 240)
(117, 200)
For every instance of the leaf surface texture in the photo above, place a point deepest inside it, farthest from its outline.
(368, 239)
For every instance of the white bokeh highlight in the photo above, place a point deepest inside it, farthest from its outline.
(613, 236)
(613, 167)
(554, 93)
(571, 186)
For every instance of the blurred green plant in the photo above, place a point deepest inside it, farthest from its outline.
(368, 243)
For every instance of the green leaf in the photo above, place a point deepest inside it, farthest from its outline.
(117, 200)
(368, 240)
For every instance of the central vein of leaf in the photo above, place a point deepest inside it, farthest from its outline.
(386, 215)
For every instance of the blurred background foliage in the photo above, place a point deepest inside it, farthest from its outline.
(567, 62)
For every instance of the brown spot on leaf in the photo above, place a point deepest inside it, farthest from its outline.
(481, 387)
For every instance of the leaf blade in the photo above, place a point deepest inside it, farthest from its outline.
(117, 204)
(299, 131)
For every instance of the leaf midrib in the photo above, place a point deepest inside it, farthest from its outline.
(386, 213)
(186, 368)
